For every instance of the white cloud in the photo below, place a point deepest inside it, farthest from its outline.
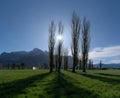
(105, 52)
(98, 49)
(115, 61)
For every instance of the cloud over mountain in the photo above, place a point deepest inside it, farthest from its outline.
(113, 53)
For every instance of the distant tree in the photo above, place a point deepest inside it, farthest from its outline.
(13, 66)
(51, 44)
(100, 64)
(56, 60)
(8, 66)
(60, 43)
(85, 42)
(1, 66)
(22, 66)
(75, 33)
(45, 66)
(80, 64)
(18, 66)
(65, 59)
(90, 64)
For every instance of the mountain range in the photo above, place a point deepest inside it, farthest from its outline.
(36, 56)
(29, 58)
(114, 66)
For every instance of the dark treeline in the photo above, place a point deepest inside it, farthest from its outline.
(22, 66)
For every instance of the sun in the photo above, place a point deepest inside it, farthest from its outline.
(59, 37)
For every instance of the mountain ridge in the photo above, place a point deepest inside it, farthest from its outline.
(29, 58)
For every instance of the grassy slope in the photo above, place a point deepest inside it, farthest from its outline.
(41, 84)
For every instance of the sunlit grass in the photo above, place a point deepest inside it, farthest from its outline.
(42, 84)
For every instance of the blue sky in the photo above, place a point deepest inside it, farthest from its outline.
(24, 25)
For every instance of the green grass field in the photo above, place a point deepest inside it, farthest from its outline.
(41, 84)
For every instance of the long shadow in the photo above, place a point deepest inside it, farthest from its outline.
(108, 74)
(104, 79)
(17, 87)
(62, 87)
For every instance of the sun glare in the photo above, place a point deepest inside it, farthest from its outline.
(59, 37)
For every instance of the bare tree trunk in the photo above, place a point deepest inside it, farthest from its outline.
(51, 64)
(74, 64)
(56, 61)
(65, 59)
(80, 63)
(75, 27)
(60, 42)
(100, 65)
(85, 43)
(51, 44)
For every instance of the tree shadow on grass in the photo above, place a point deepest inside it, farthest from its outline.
(62, 87)
(17, 87)
(104, 79)
(105, 74)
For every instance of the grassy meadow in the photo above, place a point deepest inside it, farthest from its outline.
(42, 84)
